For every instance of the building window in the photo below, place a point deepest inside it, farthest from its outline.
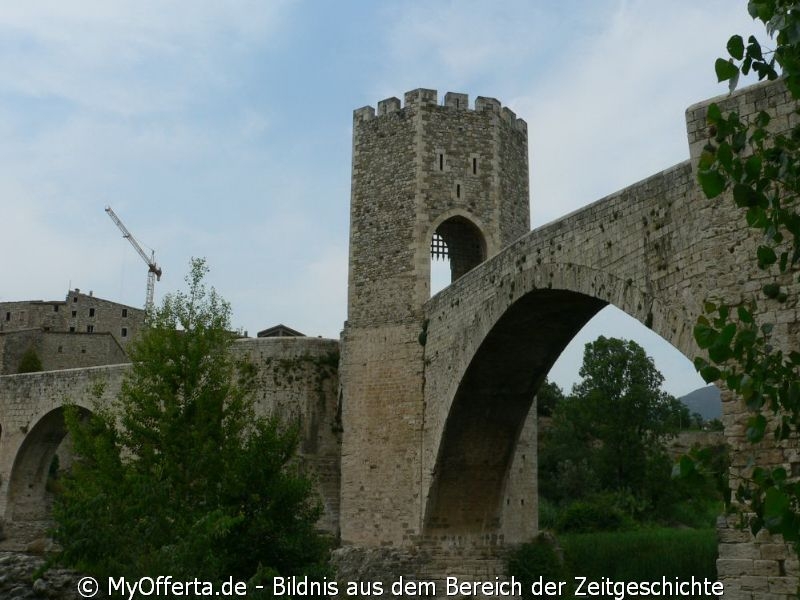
(72, 330)
(60, 349)
(90, 329)
(74, 298)
(55, 307)
(8, 316)
(124, 332)
(124, 312)
(74, 313)
(91, 312)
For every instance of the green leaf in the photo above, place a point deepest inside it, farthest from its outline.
(752, 166)
(766, 256)
(744, 315)
(755, 428)
(762, 120)
(771, 290)
(725, 156)
(710, 374)
(744, 195)
(794, 396)
(776, 503)
(714, 114)
(704, 335)
(725, 69)
(712, 183)
(736, 47)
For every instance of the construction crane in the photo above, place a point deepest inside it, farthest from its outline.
(153, 270)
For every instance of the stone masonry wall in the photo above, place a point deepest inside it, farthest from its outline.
(59, 350)
(298, 381)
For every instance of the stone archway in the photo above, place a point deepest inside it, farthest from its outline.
(480, 389)
(28, 497)
(460, 241)
(491, 405)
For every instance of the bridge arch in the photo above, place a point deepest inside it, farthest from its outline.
(27, 496)
(509, 342)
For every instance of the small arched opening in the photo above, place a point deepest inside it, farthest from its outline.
(457, 246)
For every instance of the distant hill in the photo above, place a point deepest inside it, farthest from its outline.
(705, 401)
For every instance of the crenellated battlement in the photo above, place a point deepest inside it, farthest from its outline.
(452, 101)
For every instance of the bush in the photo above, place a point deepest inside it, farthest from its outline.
(539, 558)
(30, 362)
(548, 514)
(597, 513)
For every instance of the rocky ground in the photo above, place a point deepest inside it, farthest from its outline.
(21, 579)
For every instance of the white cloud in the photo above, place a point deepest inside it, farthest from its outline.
(127, 57)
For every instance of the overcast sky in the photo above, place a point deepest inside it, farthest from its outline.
(223, 130)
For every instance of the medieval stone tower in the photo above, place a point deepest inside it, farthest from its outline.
(427, 180)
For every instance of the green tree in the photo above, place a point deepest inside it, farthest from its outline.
(547, 398)
(760, 170)
(181, 477)
(619, 402)
(29, 362)
(609, 434)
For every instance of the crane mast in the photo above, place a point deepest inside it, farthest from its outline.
(153, 270)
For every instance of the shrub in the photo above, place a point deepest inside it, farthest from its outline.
(539, 558)
(596, 513)
(29, 362)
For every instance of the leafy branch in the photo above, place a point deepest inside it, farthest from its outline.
(758, 166)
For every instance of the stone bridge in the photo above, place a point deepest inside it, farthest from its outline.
(438, 447)
(296, 377)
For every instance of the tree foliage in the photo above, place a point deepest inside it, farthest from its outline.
(181, 477)
(609, 435)
(29, 362)
(760, 170)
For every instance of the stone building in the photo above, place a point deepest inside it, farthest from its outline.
(80, 331)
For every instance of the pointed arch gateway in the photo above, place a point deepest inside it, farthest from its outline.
(515, 337)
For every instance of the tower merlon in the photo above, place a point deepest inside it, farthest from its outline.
(483, 103)
(389, 105)
(456, 100)
(365, 113)
(420, 96)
